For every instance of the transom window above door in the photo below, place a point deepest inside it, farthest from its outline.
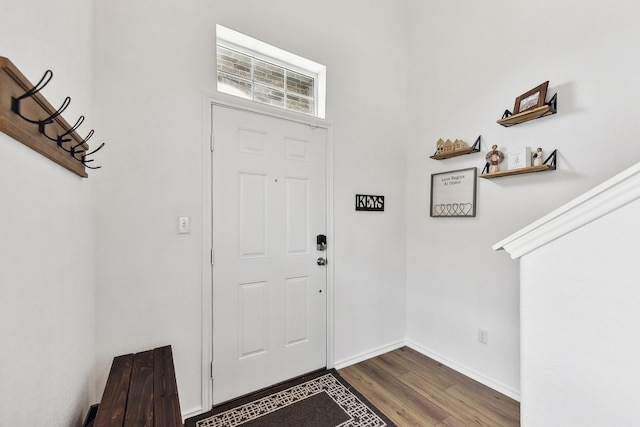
(251, 69)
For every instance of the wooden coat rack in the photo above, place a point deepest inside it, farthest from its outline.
(27, 116)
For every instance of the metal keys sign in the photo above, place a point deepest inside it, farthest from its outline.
(369, 203)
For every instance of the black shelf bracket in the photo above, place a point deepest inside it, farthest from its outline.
(553, 104)
(476, 145)
(552, 160)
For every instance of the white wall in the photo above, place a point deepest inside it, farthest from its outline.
(47, 256)
(154, 59)
(580, 302)
(468, 62)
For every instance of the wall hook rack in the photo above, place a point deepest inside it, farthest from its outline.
(22, 106)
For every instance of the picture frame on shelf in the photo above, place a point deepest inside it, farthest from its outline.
(533, 98)
(518, 158)
(453, 193)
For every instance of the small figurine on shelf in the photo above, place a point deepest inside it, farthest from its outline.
(494, 158)
(537, 157)
(459, 145)
(448, 146)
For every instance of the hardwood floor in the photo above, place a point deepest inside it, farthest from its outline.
(414, 390)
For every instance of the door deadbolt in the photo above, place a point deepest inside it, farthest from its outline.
(322, 261)
(321, 242)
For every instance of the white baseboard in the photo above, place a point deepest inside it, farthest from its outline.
(499, 387)
(368, 355)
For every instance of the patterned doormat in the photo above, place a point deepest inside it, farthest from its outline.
(322, 399)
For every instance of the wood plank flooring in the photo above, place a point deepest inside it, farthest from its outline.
(414, 390)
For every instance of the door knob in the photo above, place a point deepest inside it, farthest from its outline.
(322, 261)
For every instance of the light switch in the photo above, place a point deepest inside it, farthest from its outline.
(183, 225)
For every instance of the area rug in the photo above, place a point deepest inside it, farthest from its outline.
(321, 399)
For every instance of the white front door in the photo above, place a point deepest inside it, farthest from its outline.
(269, 293)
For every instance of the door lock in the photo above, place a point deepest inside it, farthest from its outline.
(322, 261)
(321, 242)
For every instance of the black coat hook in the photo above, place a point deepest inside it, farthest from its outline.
(74, 150)
(94, 151)
(60, 139)
(42, 123)
(84, 160)
(15, 102)
(89, 167)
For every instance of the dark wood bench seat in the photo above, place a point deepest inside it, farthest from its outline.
(141, 391)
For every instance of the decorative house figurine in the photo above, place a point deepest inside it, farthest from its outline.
(537, 157)
(459, 145)
(448, 146)
(494, 158)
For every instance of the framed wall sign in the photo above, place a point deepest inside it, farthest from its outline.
(453, 194)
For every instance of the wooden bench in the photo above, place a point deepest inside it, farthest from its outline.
(141, 391)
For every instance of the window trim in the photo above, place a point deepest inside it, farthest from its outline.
(234, 40)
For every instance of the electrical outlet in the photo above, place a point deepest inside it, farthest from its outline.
(483, 336)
